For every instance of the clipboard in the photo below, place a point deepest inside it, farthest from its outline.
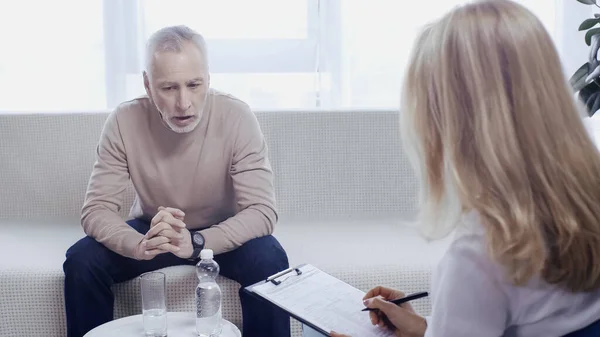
(317, 300)
(277, 280)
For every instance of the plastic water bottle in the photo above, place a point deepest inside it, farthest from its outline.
(208, 296)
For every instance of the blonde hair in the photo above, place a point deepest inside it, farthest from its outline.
(495, 129)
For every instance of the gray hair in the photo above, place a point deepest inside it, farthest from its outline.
(172, 39)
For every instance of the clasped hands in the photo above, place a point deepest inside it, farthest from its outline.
(402, 320)
(167, 234)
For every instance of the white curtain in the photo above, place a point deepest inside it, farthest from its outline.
(73, 55)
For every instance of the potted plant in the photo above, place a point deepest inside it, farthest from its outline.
(586, 80)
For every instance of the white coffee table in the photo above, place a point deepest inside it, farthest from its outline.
(179, 324)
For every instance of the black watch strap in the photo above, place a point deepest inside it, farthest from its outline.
(197, 243)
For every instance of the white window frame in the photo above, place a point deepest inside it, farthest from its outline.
(124, 48)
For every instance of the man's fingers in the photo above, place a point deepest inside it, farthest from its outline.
(171, 234)
(178, 223)
(172, 210)
(155, 230)
(177, 213)
(166, 230)
(155, 242)
(161, 226)
(171, 220)
(148, 254)
(168, 247)
(158, 218)
(151, 252)
(160, 249)
(164, 216)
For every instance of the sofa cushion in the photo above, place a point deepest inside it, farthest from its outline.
(32, 284)
(364, 253)
(330, 163)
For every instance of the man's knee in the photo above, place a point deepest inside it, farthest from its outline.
(84, 260)
(268, 256)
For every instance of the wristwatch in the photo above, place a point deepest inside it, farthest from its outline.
(197, 243)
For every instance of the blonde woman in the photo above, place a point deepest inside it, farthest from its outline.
(503, 154)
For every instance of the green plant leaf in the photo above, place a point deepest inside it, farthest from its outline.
(577, 81)
(588, 35)
(593, 103)
(588, 2)
(588, 96)
(595, 106)
(579, 84)
(589, 102)
(588, 23)
(583, 96)
(587, 91)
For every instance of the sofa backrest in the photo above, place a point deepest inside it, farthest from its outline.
(326, 164)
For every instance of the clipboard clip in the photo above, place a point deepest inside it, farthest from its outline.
(273, 278)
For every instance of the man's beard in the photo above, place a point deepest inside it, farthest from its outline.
(188, 128)
(179, 129)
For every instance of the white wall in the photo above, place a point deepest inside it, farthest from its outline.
(571, 44)
(570, 41)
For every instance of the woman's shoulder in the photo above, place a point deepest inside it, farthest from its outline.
(469, 238)
(469, 252)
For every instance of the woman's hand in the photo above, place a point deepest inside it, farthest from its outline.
(335, 334)
(401, 319)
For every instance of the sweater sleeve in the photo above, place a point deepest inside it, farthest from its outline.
(104, 197)
(254, 194)
(466, 297)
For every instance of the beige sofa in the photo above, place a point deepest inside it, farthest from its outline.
(344, 189)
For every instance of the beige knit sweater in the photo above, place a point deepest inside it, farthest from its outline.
(218, 174)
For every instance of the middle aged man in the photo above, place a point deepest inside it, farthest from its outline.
(198, 161)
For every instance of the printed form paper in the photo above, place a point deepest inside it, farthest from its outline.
(324, 301)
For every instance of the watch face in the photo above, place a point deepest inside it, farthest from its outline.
(198, 239)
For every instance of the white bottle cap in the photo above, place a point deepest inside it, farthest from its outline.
(206, 254)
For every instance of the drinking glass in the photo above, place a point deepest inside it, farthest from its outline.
(154, 304)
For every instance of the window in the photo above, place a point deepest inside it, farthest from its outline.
(376, 39)
(263, 51)
(70, 55)
(52, 60)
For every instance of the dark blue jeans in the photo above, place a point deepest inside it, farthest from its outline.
(91, 269)
(592, 330)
